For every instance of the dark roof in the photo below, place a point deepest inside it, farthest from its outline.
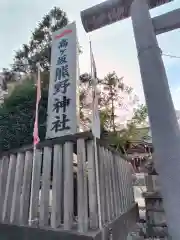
(138, 147)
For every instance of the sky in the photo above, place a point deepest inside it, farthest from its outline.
(113, 46)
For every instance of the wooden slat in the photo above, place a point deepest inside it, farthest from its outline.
(44, 200)
(123, 174)
(82, 187)
(9, 189)
(93, 210)
(1, 207)
(117, 191)
(127, 185)
(114, 185)
(35, 186)
(121, 187)
(68, 185)
(130, 182)
(132, 185)
(3, 181)
(56, 211)
(26, 188)
(118, 159)
(15, 210)
(102, 185)
(110, 183)
(108, 186)
(124, 184)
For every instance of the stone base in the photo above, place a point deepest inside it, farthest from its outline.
(155, 215)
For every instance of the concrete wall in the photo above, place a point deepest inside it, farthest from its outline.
(118, 230)
(8, 232)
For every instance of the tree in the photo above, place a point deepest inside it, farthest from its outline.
(84, 102)
(123, 138)
(18, 111)
(7, 76)
(112, 97)
(17, 116)
(39, 47)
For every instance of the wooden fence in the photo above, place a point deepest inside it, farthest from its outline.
(58, 188)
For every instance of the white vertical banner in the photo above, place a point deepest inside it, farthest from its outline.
(77, 90)
(62, 112)
(96, 129)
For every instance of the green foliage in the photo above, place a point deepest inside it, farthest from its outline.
(140, 115)
(111, 97)
(112, 92)
(139, 119)
(39, 48)
(122, 139)
(17, 116)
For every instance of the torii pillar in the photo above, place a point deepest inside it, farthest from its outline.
(162, 116)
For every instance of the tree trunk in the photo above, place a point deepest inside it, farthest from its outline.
(112, 109)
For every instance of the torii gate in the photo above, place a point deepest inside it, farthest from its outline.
(163, 121)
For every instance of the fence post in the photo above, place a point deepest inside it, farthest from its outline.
(109, 168)
(57, 187)
(108, 186)
(35, 187)
(68, 186)
(92, 186)
(3, 181)
(15, 210)
(82, 186)
(26, 188)
(102, 185)
(9, 189)
(45, 187)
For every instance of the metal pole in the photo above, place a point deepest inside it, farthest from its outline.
(31, 221)
(34, 149)
(162, 116)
